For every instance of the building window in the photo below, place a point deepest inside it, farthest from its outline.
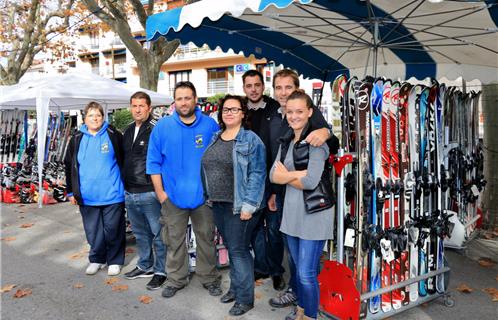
(220, 80)
(177, 76)
(94, 39)
(94, 62)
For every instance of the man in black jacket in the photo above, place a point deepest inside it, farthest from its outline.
(266, 240)
(142, 205)
(286, 82)
(267, 119)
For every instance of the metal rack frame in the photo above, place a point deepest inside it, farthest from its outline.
(448, 301)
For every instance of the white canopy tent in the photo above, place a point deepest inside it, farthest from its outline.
(68, 92)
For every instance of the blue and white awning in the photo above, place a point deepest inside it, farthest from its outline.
(323, 38)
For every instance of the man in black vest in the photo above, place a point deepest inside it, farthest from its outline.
(142, 205)
(267, 240)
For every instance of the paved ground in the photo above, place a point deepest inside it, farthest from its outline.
(49, 259)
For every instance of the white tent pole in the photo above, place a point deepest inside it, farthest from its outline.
(42, 104)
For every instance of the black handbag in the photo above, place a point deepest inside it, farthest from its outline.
(321, 197)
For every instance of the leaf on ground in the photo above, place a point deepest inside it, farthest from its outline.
(76, 256)
(145, 299)
(78, 285)
(463, 288)
(486, 262)
(20, 217)
(120, 287)
(20, 293)
(258, 282)
(26, 225)
(112, 280)
(258, 295)
(8, 239)
(67, 231)
(6, 224)
(7, 288)
(488, 235)
(493, 292)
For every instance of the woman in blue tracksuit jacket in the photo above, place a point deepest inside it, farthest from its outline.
(93, 161)
(234, 173)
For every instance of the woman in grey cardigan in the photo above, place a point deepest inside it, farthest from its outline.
(306, 232)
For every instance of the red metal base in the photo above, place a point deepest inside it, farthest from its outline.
(338, 294)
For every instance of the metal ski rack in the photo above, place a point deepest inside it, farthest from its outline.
(448, 301)
(347, 305)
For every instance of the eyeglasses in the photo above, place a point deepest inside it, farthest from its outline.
(231, 110)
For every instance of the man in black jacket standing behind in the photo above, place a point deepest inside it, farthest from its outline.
(142, 206)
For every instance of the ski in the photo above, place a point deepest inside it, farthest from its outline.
(374, 231)
(408, 181)
(395, 236)
(365, 184)
(384, 194)
(413, 187)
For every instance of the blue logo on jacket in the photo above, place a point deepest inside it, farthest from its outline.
(199, 141)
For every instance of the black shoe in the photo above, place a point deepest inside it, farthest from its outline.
(285, 299)
(169, 291)
(228, 297)
(156, 282)
(278, 283)
(239, 309)
(213, 288)
(137, 273)
(259, 275)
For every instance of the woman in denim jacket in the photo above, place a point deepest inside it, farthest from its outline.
(234, 173)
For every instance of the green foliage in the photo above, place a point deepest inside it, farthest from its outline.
(121, 119)
(216, 98)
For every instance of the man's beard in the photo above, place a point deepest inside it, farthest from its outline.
(186, 115)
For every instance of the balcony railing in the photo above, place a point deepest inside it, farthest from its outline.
(220, 86)
(119, 70)
(190, 52)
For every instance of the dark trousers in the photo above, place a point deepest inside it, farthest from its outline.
(268, 243)
(237, 236)
(175, 223)
(105, 232)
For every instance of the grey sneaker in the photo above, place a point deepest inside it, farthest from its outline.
(285, 299)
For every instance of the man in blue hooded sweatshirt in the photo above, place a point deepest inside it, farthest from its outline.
(176, 146)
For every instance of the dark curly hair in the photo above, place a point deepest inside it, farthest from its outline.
(243, 105)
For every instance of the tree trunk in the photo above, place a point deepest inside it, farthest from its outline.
(490, 141)
(149, 73)
(10, 79)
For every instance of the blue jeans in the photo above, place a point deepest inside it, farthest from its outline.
(105, 232)
(237, 236)
(306, 255)
(144, 211)
(268, 243)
